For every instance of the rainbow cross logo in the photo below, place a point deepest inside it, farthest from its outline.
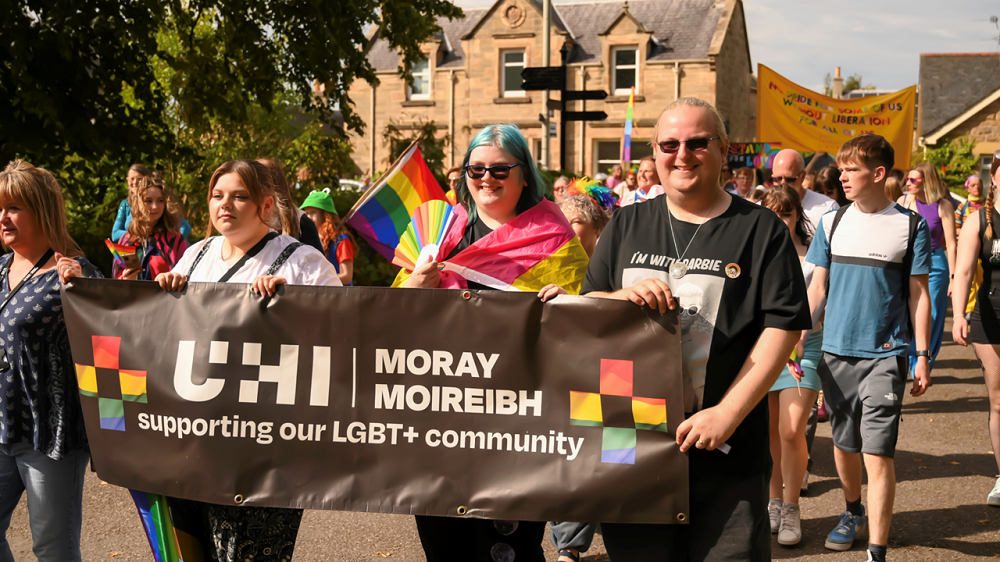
(616, 410)
(132, 383)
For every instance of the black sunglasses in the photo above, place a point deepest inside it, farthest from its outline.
(672, 146)
(784, 179)
(498, 171)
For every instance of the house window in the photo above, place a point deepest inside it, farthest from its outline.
(513, 64)
(421, 88)
(608, 153)
(640, 149)
(624, 70)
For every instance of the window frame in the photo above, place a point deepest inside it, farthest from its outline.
(985, 162)
(615, 90)
(600, 164)
(410, 95)
(504, 93)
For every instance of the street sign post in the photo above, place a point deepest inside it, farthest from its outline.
(585, 95)
(543, 78)
(554, 78)
(584, 116)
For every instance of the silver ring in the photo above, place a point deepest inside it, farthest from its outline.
(701, 443)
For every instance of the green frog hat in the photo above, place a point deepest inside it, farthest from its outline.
(320, 200)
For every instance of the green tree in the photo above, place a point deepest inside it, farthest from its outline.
(86, 88)
(955, 158)
(851, 83)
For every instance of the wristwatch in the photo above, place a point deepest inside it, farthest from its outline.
(924, 353)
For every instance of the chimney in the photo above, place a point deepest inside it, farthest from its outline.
(838, 84)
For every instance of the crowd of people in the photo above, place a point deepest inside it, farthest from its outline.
(774, 284)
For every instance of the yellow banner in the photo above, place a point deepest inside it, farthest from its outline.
(801, 119)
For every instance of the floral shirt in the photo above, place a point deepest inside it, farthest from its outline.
(39, 398)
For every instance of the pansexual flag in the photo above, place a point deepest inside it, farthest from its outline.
(536, 248)
(382, 214)
(627, 146)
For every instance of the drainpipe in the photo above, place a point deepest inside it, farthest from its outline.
(372, 134)
(546, 55)
(677, 81)
(451, 118)
(582, 144)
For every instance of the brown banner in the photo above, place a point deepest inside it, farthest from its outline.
(431, 402)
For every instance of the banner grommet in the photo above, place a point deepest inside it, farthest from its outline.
(681, 517)
(466, 294)
(462, 510)
(238, 499)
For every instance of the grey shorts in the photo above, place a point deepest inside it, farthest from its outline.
(864, 398)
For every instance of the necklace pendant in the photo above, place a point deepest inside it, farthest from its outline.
(678, 270)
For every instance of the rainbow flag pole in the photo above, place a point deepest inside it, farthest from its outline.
(627, 148)
(382, 214)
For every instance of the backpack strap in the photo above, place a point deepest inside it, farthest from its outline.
(201, 254)
(908, 265)
(283, 257)
(833, 229)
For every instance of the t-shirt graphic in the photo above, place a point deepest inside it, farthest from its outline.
(743, 276)
(699, 297)
(866, 314)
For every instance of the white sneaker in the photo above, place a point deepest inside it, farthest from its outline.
(774, 513)
(993, 499)
(791, 525)
(805, 483)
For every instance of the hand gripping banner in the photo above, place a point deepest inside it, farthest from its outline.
(426, 402)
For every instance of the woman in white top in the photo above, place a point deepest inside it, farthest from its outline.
(241, 196)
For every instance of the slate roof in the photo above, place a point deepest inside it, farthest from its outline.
(682, 30)
(952, 83)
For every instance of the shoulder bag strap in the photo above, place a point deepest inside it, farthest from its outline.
(247, 256)
(283, 257)
(201, 254)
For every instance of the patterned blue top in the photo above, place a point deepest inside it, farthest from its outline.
(39, 397)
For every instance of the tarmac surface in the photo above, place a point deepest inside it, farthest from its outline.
(944, 468)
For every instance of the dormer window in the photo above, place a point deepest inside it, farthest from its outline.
(510, 74)
(624, 70)
(421, 88)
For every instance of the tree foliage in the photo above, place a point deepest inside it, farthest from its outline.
(955, 158)
(88, 87)
(851, 83)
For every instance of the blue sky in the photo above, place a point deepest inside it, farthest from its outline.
(879, 39)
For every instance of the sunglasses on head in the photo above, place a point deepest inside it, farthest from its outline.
(497, 172)
(671, 146)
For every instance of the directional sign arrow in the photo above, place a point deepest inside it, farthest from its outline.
(543, 78)
(585, 95)
(584, 116)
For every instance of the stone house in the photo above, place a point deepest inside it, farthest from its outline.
(471, 77)
(960, 97)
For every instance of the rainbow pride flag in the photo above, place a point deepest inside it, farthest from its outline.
(163, 520)
(536, 248)
(627, 148)
(382, 214)
(120, 250)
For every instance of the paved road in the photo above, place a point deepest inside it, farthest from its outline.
(943, 463)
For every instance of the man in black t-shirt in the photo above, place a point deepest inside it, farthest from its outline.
(734, 272)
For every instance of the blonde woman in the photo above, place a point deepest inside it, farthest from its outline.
(43, 444)
(928, 195)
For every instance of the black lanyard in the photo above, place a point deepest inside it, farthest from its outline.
(3, 276)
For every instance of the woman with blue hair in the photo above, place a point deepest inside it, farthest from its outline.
(506, 236)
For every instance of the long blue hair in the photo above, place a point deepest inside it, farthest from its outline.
(508, 138)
